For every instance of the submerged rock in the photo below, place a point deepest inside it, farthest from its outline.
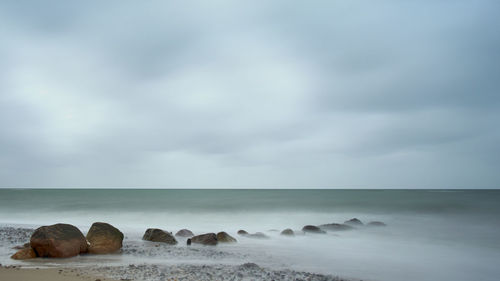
(205, 239)
(288, 232)
(376, 223)
(336, 227)
(24, 254)
(158, 235)
(104, 238)
(312, 229)
(184, 233)
(353, 222)
(58, 241)
(258, 235)
(223, 237)
(242, 232)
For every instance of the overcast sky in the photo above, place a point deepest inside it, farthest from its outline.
(219, 94)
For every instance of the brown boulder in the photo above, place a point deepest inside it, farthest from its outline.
(184, 233)
(58, 241)
(158, 235)
(205, 239)
(104, 238)
(223, 237)
(24, 254)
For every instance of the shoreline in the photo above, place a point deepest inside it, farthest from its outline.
(18, 273)
(243, 272)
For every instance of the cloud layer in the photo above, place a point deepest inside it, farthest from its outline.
(276, 94)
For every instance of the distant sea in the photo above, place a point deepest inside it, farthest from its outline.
(430, 234)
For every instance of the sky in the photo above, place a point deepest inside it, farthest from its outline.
(250, 94)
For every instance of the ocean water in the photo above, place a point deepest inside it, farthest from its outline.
(430, 234)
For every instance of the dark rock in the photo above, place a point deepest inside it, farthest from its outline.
(336, 227)
(353, 222)
(58, 241)
(184, 233)
(288, 232)
(24, 254)
(188, 242)
(158, 235)
(312, 229)
(376, 223)
(205, 239)
(258, 235)
(242, 232)
(223, 237)
(249, 266)
(104, 238)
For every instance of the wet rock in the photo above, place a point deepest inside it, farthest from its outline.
(24, 254)
(242, 232)
(312, 229)
(288, 232)
(58, 241)
(376, 223)
(354, 222)
(205, 239)
(258, 235)
(158, 235)
(336, 227)
(104, 238)
(184, 233)
(223, 237)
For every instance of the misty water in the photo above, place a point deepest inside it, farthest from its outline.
(430, 234)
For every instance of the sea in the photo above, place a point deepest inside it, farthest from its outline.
(434, 235)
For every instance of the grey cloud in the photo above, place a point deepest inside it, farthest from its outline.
(268, 94)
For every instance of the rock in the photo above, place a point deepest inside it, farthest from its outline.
(188, 242)
(58, 241)
(242, 232)
(288, 232)
(158, 235)
(223, 237)
(258, 235)
(376, 223)
(336, 227)
(353, 222)
(184, 233)
(205, 239)
(312, 229)
(104, 238)
(24, 254)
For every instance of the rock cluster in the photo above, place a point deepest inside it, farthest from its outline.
(65, 240)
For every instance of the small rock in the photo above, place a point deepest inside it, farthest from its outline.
(223, 237)
(312, 229)
(184, 233)
(205, 239)
(376, 223)
(24, 254)
(158, 235)
(336, 227)
(353, 222)
(242, 232)
(258, 235)
(288, 232)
